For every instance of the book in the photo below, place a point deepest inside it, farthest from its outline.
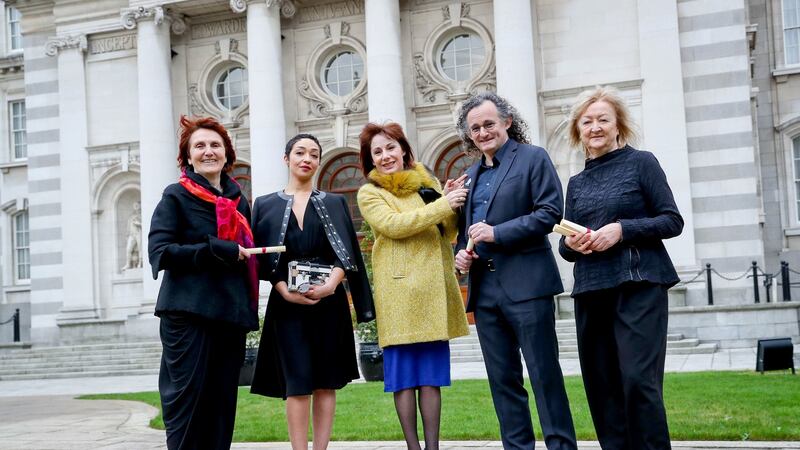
(567, 228)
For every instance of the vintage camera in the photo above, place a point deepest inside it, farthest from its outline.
(304, 274)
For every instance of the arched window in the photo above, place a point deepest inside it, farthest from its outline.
(343, 176)
(452, 163)
(241, 173)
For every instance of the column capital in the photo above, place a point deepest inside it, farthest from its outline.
(287, 7)
(56, 44)
(130, 17)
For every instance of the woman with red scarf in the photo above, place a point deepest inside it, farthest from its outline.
(209, 294)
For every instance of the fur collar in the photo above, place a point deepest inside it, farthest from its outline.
(405, 182)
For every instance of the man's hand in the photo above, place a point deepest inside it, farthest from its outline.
(481, 232)
(464, 260)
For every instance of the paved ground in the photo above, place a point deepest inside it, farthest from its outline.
(43, 415)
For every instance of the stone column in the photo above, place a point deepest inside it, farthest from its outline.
(264, 63)
(664, 116)
(386, 99)
(515, 59)
(157, 133)
(78, 287)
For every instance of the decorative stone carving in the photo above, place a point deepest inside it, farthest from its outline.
(112, 44)
(195, 104)
(133, 244)
(238, 6)
(56, 44)
(429, 79)
(457, 10)
(131, 16)
(287, 7)
(318, 106)
(425, 84)
(327, 11)
(322, 103)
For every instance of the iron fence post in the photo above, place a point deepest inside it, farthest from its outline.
(755, 282)
(708, 284)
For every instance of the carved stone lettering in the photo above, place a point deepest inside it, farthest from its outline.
(221, 27)
(330, 11)
(112, 44)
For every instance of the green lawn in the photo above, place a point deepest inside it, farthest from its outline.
(700, 406)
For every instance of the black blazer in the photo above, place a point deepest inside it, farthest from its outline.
(524, 204)
(202, 274)
(267, 219)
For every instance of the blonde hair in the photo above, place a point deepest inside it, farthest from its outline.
(610, 95)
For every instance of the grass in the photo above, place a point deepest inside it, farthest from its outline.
(728, 406)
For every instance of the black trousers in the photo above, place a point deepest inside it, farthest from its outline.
(198, 381)
(622, 343)
(505, 327)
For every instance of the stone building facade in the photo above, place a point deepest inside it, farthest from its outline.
(92, 90)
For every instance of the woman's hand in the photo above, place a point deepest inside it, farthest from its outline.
(293, 297)
(321, 291)
(243, 255)
(300, 299)
(580, 243)
(450, 185)
(456, 198)
(606, 237)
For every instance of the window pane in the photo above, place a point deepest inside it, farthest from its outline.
(461, 57)
(17, 125)
(21, 247)
(342, 73)
(230, 90)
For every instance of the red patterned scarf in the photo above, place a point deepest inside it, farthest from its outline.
(231, 226)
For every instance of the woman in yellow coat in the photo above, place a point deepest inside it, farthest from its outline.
(417, 299)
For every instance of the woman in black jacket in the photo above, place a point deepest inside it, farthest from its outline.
(307, 348)
(622, 273)
(209, 295)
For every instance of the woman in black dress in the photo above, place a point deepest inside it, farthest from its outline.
(209, 296)
(307, 349)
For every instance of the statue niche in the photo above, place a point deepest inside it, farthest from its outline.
(130, 236)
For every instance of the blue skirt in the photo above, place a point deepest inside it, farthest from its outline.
(413, 365)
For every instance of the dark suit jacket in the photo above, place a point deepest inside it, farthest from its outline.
(525, 202)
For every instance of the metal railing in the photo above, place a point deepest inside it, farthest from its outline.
(14, 318)
(756, 273)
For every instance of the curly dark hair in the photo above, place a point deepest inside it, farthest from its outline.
(518, 130)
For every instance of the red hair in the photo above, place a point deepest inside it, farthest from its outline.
(191, 124)
(391, 130)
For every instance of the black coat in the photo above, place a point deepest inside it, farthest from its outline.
(626, 186)
(202, 274)
(267, 218)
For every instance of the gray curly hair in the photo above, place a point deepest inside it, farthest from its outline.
(518, 130)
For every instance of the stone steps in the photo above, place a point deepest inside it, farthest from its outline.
(467, 348)
(134, 358)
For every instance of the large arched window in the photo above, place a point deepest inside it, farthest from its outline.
(452, 163)
(241, 173)
(343, 175)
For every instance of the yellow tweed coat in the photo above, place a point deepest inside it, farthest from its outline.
(417, 298)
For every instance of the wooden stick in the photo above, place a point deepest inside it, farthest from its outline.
(573, 226)
(260, 250)
(470, 246)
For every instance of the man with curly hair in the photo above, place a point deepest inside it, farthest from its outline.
(514, 200)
